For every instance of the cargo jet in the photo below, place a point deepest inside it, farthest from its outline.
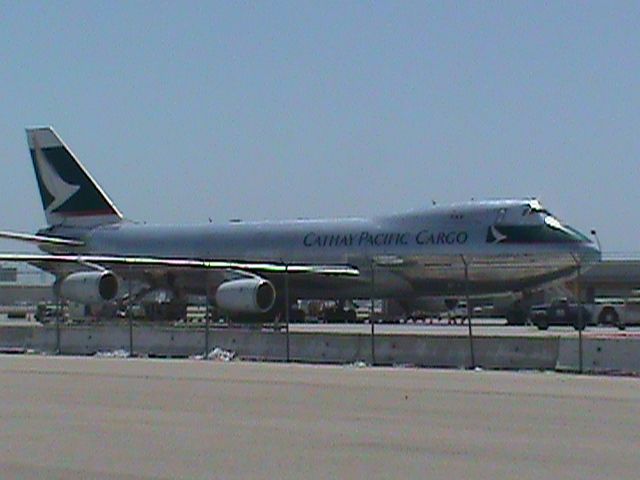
(476, 248)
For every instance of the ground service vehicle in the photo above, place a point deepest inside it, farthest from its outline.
(560, 312)
(619, 312)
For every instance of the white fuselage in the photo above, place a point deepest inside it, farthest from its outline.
(507, 245)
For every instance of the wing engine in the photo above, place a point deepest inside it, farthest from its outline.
(89, 287)
(246, 295)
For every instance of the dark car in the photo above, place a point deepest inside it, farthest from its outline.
(560, 312)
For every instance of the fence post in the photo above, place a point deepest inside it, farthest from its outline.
(372, 317)
(469, 311)
(581, 320)
(581, 325)
(130, 315)
(207, 312)
(287, 305)
(58, 319)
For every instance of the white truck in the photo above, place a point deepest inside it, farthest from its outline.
(619, 312)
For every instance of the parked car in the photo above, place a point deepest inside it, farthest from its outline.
(560, 312)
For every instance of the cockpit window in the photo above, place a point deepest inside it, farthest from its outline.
(530, 222)
(534, 207)
(553, 222)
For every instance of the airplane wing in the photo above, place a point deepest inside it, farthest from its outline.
(40, 239)
(99, 261)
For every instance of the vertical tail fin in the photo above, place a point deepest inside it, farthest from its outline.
(69, 194)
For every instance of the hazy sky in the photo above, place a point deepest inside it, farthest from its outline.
(269, 110)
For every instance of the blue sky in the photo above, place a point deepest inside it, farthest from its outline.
(269, 110)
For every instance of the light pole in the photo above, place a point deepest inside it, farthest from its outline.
(595, 235)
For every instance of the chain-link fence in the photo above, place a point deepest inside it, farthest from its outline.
(545, 333)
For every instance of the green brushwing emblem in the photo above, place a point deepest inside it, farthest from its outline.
(54, 190)
(65, 189)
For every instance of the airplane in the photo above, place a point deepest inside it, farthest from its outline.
(472, 248)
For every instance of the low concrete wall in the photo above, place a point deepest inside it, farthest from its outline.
(419, 350)
(523, 353)
(27, 338)
(600, 355)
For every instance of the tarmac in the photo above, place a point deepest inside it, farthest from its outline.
(79, 417)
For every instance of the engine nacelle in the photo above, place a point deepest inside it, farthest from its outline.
(246, 295)
(89, 287)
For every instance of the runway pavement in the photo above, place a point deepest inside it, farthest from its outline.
(142, 419)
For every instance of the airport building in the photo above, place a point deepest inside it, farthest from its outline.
(612, 278)
(22, 284)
